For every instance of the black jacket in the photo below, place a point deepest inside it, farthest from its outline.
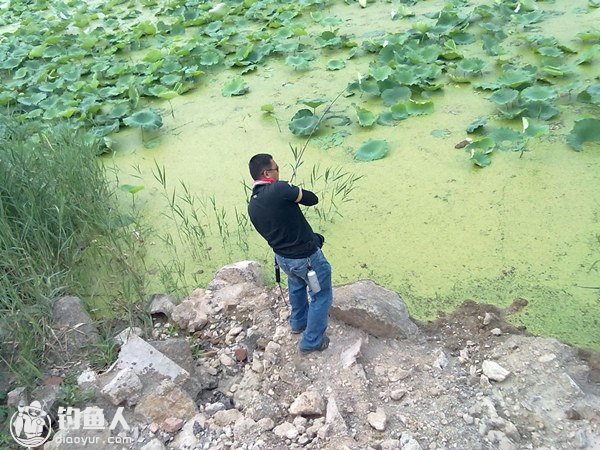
(277, 217)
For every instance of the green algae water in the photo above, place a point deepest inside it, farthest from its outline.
(423, 221)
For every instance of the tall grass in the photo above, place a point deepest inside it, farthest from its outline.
(56, 204)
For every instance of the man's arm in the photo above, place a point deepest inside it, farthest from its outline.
(306, 198)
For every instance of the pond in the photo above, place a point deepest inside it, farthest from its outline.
(423, 221)
(514, 214)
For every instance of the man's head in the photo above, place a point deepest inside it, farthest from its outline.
(263, 166)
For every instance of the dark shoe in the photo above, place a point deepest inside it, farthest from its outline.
(298, 331)
(320, 348)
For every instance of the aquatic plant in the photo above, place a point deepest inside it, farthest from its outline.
(235, 86)
(304, 123)
(584, 130)
(372, 149)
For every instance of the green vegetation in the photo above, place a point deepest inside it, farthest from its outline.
(100, 65)
(56, 203)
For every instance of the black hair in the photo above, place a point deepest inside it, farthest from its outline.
(258, 164)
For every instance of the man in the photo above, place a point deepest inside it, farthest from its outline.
(274, 212)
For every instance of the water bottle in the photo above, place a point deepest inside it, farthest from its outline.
(313, 281)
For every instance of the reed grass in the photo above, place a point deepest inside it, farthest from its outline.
(57, 209)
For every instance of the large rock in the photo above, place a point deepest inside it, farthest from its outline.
(143, 359)
(372, 308)
(161, 304)
(309, 403)
(125, 386)
(73, 326)
(178, 350)
(165, 402)
(193, 312)
(239, 272)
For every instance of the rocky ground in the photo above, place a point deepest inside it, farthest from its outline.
(221, 370)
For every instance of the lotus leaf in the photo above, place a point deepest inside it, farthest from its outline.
(589, 35)
(463, 38)
(480, 122)
(539, 93)
(304, 123)
(372, 149)
(105, 130)
(335, 64)
(552, 52)
(297, 62)
(399, 111)
(590, 95)
(588, 55)
(487, 86)
(131, 188)
(506, 138)
(235, 86)
(369, 87)
(481, 158)
(394, 95)
(380, 73)
(287, 47)
(10, 63)
(210, 57)
(515, 78)
(540, 110)
(485, 144)
(313, 102)
(470, 65)
(386, 118)
(504, 96)
(119, 110)
(491, 45)
(365, 117)
(153, 55)
(147, 119)
(331, 21)
(33, 99)
(170, 79)
(532, 129)
(584, 130)
(416, 108)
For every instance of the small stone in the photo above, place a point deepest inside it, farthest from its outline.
(488, 318)
(241, 354)
(126, 385)
(226, 360)
(377, 419)
(309, 403)
(154, 444)
(494, 371)
(17, 397)
(547, 358)
(397, 394)
(496, 332)
(349, 355)
(227, 417)
(87, 378)
(266, 424)
(468, 419)
(124, 335)
(286, 430)
(572, 414)
(213, 408)
(172, 425)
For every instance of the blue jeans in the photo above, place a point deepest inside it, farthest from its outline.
(314, 316)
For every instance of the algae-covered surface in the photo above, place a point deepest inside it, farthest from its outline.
(423, 221)
(518, 218)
